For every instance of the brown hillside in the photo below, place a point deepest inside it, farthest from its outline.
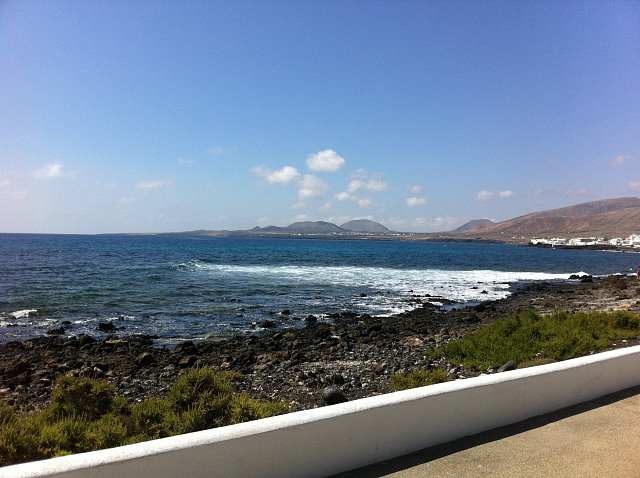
(590, 208)
(608, 218)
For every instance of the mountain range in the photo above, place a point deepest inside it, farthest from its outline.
(606, 218)
(618, 217)
(359, 226)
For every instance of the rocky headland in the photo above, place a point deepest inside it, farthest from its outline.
(350, 356)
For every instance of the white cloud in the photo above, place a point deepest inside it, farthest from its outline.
(447, 222)
(327, 161)
(5, 183)
(365, 202)
(633, 185)
(414, 189)
(152, 184)
(415, 201)
(310, 186)
(50, 171)
(344, 196)
(217, 151)
(365, 180)
(328, 206)
(276, 176)
(485, 195)
(370, 184)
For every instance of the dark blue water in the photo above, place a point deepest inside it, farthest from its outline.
(189, 287)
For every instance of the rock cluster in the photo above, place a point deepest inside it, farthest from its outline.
(325, 362)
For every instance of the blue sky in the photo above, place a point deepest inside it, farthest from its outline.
(152, 116)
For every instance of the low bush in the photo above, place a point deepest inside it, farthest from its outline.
(529, 337)
(87, 414)
(420, 378)
(18, 437)
(85, 397)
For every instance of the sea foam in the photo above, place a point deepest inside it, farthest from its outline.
(22, 314)
(459, 286)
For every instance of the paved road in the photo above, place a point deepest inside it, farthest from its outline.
(600, 438)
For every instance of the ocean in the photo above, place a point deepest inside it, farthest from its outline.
(178, 287)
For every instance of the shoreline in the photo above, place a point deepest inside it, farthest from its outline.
(356, 353)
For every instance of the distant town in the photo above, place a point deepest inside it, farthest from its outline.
(632, 241)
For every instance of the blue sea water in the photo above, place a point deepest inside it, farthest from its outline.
(177, 287)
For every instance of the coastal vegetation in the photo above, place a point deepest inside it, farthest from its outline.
(529, 338)
(418, 378)
(87, 414)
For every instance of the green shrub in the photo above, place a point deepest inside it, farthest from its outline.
(529, 336)
(202, 397)
(107, 432)
(84, 397)
(18, 437)
(62, 437)
(152, 418)
(87, 415)
(420, 378)
(6, 412)
(196, 386)
(244, 408)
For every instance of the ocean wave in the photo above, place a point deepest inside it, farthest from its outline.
(460, 286)
(22, 314)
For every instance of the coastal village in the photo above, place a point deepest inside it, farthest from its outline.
(632, 241)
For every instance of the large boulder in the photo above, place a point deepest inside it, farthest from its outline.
(333, 395)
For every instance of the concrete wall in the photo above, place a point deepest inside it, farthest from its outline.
(332, 439)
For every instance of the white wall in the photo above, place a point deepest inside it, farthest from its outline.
(332, 439)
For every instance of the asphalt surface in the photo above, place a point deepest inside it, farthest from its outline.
(599, 438)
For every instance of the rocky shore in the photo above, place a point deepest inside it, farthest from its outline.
(353, 356)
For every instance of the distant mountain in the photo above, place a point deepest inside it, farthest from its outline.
(366, 226)
(362, 226)
(607, 218)
(309, 227)
(474, 225)
(588, 208)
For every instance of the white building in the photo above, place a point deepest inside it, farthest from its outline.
(632, 241)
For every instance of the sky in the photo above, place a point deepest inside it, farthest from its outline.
(157, 116)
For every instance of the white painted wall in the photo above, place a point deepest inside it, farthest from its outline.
(333, 439)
